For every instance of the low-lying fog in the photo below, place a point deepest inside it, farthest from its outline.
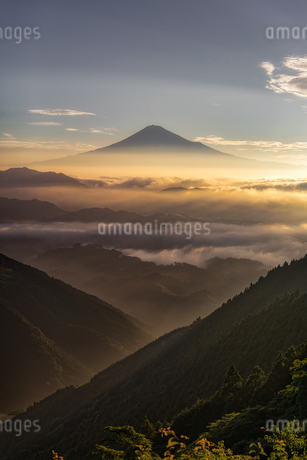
(263, 220)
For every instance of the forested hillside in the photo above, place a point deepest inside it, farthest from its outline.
(52, 335)
(164, 296)
(171, 374)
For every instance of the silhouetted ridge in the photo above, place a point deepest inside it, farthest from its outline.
(25, 177)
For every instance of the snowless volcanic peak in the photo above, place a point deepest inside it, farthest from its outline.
(156, 137)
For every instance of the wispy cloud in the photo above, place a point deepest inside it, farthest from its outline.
(44, 123)
(268, 67)
(95, 131)
(284, 185)
(283, 81)
(110, 129)
(291, 156)
(149, 183)
(190, 188)
(270, 244)
(7, 135)
(58, 112)
(48, 145)
(102, 131)
(265, 146)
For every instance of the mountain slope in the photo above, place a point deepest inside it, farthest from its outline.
(32, 366)
(164, 296)
(174, 371)
(156, 137)
(25, 177)
(14, 210)
(155, 148)
(66, 324)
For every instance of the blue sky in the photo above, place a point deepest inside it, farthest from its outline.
(101, 70)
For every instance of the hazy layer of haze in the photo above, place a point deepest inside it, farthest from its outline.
(261, 201)
(161, 164)
(263, 219)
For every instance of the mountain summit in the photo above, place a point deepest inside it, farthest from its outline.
(172, 150)
(158, 138)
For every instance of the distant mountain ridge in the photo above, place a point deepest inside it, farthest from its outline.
(164, 296)
(14, 210)
(25, 177)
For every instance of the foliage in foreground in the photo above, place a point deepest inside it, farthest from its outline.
(290, 444)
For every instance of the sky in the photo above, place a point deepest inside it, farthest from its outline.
(92, 73)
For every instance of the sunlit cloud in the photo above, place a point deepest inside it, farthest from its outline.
(111, 129)
(58, 112)
(194, 187)
(265, 146)
(293, 157)
(270, 244)
(94, 130)
(50, 145)
(7, 135)
(262, 219)
(101, 131)
(283, 81)
(268, 66)
(147, 183)
(288, 185)
(44, 123)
